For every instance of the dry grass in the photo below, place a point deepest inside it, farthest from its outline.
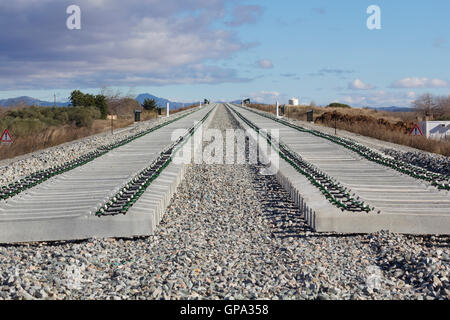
(47, 138)
(418, 142)
(185, 108)
(299, 112)
(54, 136)
(387, 126)
(123, 107)
(148, 115)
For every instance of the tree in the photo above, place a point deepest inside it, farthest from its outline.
(102, 105)
(443, 107)
(89, 100)
(76, 98)
(149, 104)
(79, 99)
(425, 104)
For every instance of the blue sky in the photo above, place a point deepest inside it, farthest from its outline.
(185, 50)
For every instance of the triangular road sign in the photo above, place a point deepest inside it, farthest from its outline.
(6, 137)
(416, 131)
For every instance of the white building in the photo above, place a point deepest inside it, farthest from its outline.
(293, 102)
(435, 129)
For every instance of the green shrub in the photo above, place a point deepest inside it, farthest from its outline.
(22, 127)
(78, 99)
(81, 119)
(32, 120)
(62, 117)
(83, 116)
(149, 104)
(338, 105)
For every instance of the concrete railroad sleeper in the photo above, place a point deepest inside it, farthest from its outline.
(335, 193)
(440, 181)
(121, 202)
(64, 207)
(39, 177)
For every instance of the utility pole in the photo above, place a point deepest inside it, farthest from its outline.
(55, 98)
(335, 123)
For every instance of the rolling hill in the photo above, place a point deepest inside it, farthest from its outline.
(395, 109)
(29, 101)
(161, 102)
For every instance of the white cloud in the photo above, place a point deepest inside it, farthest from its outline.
(354, 99)
(420, 83)
(245, 14)
(264, 64)
(129, 43)
(380, 98)
(411, 94)
(358, 84)
(266, 96)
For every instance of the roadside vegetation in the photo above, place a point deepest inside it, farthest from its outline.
(388, 126)
(34, 128)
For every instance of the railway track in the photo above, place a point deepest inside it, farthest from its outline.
(123, 200)
(122, 189)
(337, 194)
(394, 195)
(65, 203)
(438, 180)
(38, 177)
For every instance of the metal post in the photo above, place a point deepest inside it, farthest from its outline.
(278, 105)
(335, 123)
(167, 107)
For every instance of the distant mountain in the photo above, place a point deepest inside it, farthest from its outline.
(28, 101)
(395, 109)
(161, 102)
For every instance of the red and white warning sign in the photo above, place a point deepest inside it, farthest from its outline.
(416, 131)
(6, 137)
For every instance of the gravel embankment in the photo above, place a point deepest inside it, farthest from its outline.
(41, 160)
(432, 162)
(231, 233)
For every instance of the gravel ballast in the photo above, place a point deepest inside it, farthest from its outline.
(432, 162)
(230, 233)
